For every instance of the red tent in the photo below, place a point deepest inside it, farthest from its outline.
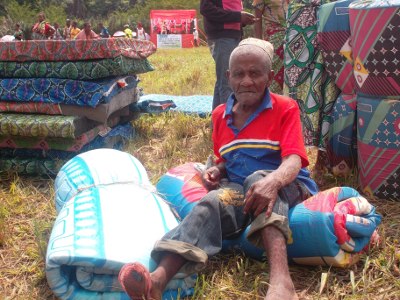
(173, 28)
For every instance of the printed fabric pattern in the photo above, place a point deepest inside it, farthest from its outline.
(79, 70)
(72, 50)
(66, 91)
(306, 80)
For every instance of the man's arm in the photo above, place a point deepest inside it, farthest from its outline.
(258, 25)
(262, 194)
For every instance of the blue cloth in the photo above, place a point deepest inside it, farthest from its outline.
(156, 103)
(65, 91)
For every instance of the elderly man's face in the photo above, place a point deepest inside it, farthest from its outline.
(249, 77)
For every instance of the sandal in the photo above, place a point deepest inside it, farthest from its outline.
(135, 280)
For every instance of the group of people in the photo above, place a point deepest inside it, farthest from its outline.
(43, 29)
(260, 156)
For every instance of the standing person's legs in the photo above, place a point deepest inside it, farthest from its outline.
(221, 50)
(186, 248)
(272, 233)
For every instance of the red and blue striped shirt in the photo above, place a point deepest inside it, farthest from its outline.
(271, 133)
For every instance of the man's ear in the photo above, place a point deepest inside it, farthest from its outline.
(227, 73)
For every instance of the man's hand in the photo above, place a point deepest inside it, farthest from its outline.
(247, 18)
(262, 196)
(211, 178)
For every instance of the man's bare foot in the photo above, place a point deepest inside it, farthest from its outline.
(156, 290)
(281, 291)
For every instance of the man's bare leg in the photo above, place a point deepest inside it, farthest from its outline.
(281, 285)
(169, 265)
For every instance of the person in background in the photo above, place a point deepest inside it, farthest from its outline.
(196, 38)
(18, 33)
(58, 35)
(67, 30)
(261, 163)
(74, 30)
(140, 33)
(223, 21)
(42, 30)
(128, 32)
(87, 33)
(104, 33)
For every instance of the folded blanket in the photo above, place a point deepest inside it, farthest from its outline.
(305, 77)
(48, 163)
(79, 70)
(196, 104)
(376, 46)
(330, 228)
(114, 138)
(66, 91)
(378, 141)
(100, 113)
(34, 125)
(67, 50)
(341, 146)
(46, 143)
(334, 39)
(111, 216)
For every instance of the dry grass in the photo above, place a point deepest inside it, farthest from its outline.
(27, 210)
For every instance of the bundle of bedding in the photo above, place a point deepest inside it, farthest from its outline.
(104, 199)
(74, 50)
(331, 228)
(61, 97)
(378, 140)
(334, 40)
(305, 77)
(65, 91)
(117, 106)
(81, 69)
(376, 47)
(45, 157)
(157, 103)
(363, 124)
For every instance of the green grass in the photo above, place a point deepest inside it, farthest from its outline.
(27, 208)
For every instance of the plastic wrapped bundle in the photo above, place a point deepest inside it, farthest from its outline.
(105, 201)
(330, 228)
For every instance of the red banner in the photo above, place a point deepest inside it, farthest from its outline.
(173, 28)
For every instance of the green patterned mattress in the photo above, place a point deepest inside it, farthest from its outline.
(82, 70)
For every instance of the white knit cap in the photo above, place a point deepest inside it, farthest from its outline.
(266, 46)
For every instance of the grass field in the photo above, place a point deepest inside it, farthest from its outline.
(27, 208)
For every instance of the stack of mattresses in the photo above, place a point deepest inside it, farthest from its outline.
(334, 40)
(61, 98)
(305, 77)
(376, 51)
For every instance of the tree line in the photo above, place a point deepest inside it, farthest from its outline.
(113, 13)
